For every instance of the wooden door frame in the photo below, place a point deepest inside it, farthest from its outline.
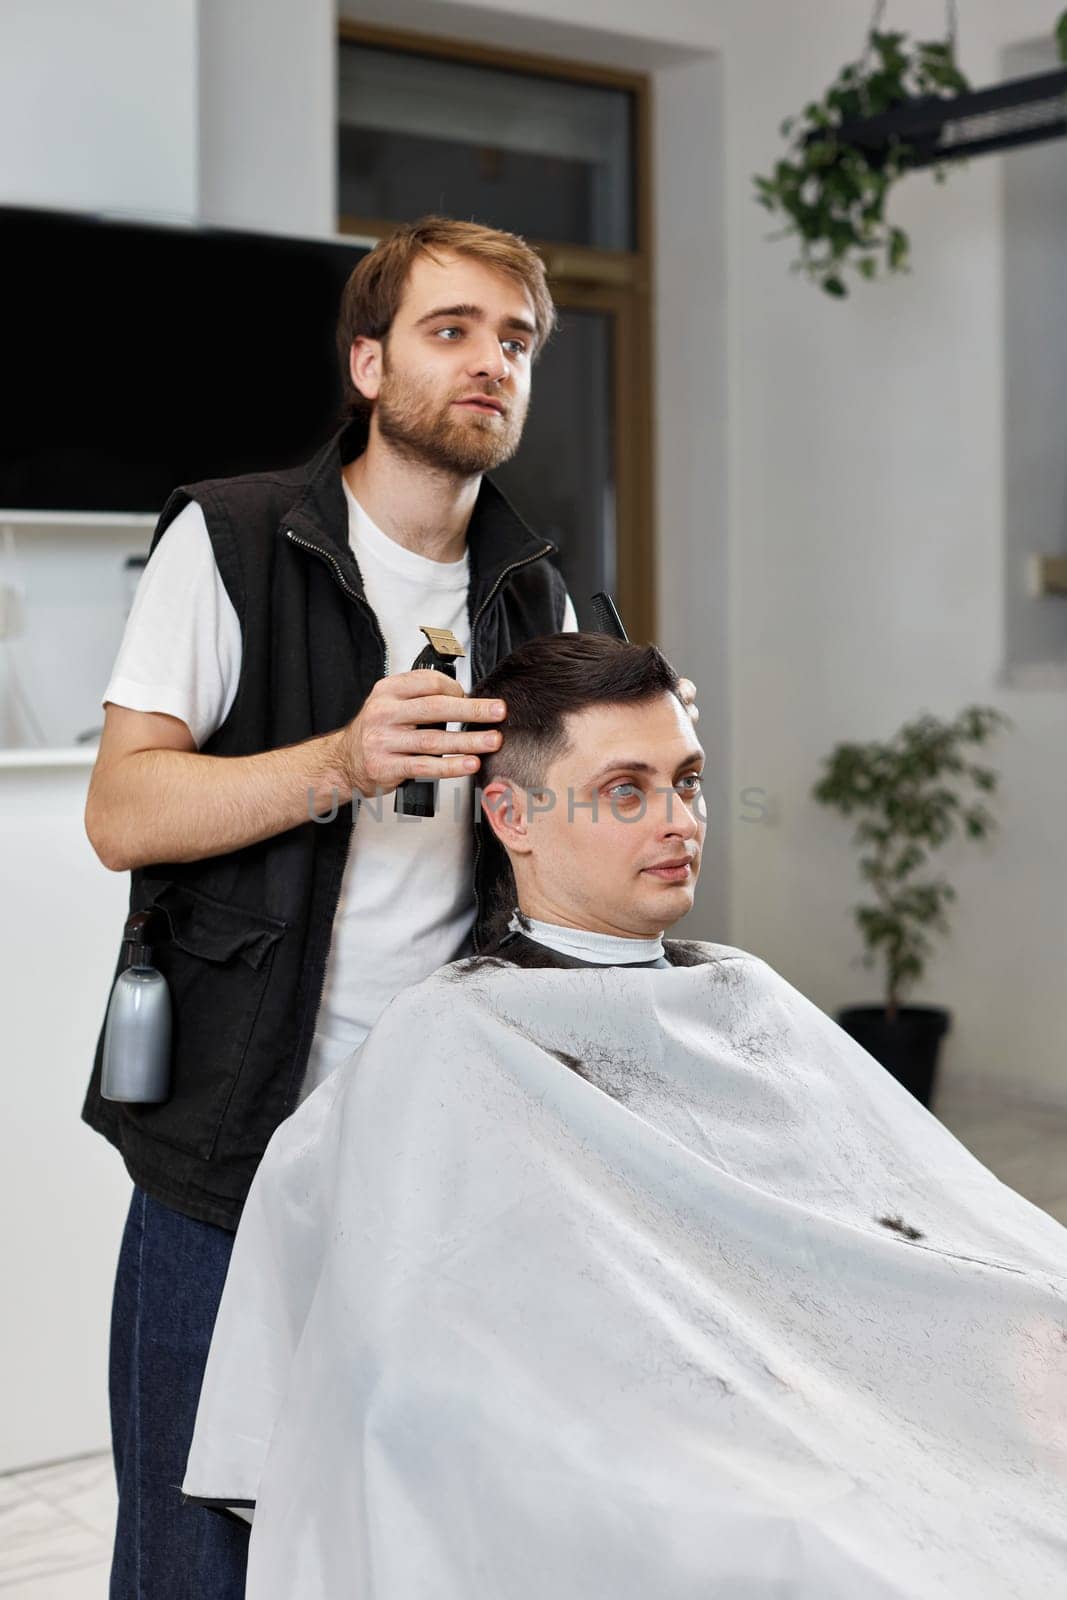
(618, 282)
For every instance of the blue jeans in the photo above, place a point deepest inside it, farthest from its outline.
(167, 1290)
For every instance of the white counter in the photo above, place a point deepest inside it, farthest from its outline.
(63, 1189)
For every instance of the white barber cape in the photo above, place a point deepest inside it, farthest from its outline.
(635, 1285)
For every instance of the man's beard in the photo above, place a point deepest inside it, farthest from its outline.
(463, 442)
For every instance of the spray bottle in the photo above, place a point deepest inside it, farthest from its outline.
(136, 1064)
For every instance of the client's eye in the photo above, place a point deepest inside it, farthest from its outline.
(631, 789)
(693, 780)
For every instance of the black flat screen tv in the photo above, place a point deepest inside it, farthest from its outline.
(137, 357)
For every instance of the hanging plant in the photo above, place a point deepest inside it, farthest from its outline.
(834, 193)
(1061, 36)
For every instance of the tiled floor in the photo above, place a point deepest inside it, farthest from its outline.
(56, 1521)
(1026, 1146)
(56, 1526)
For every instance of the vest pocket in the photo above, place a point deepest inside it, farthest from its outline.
(217, 962)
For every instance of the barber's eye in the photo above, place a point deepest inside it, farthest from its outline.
(694, 782)
(616, 788)
(519, 345)
(449, 330)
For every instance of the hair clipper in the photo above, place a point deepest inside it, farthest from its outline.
(417, 797)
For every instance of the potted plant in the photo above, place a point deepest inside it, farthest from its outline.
(906, 792)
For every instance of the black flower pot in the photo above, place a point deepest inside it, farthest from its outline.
(907, 1046)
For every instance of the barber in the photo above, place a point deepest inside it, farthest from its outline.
(259, 708)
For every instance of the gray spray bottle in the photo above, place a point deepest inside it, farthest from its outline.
(136, 1063)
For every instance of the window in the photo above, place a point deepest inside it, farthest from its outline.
(558, 153)
(1035, 400)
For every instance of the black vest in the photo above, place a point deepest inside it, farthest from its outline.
(243, 938)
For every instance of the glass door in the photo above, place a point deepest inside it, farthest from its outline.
(563, 481)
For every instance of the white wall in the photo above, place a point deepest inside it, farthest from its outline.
(98, 105)
(267, 98)
(191, 110)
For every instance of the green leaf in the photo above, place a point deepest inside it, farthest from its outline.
(846, 102)
(834, 285)
(887, 46)
(898, 249)
(820, 152)
(1061, 36)
(945, 76)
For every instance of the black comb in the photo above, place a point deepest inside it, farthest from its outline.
(607, 618)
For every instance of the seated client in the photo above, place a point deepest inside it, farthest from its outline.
(609, 1266)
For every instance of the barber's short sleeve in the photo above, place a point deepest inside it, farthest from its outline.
(181, 650)
(570, 618)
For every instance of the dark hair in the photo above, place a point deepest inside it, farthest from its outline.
(542, 682)
(545, 680)
(375, 288)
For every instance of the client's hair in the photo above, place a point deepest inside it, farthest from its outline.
(547, 679)
(541, 683)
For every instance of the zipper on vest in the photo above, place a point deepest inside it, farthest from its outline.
(360, 600)
(474, 623)
(515, 565)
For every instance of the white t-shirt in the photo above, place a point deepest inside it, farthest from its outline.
(407, 895)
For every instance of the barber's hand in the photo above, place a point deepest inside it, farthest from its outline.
(385, 743)
(687, 694)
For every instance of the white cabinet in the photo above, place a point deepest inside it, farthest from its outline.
(63, 1190)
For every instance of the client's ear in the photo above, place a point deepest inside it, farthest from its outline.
(504, 807)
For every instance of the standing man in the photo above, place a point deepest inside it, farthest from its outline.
(259, 698)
